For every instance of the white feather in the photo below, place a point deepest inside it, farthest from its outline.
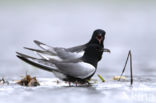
(87, 68)
(79, 54)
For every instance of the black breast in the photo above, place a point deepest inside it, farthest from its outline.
(93, 54)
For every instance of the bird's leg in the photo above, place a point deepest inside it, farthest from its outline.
(88, 84)
(69, 84)
(57, 82)
(76, 83)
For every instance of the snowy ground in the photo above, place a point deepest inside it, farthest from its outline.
(142, 91)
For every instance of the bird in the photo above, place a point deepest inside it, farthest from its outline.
(73, 70)
(69, 67)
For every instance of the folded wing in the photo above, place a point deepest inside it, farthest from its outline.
(80, 70)
(73, 68)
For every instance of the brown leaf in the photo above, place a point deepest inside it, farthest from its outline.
(28, 81)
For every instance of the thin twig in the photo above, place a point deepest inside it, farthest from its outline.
(131, 69)
(124, 66)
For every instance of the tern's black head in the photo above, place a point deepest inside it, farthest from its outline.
(93, 54)
(98, 37)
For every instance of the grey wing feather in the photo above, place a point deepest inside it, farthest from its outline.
(70, 53)
(40, 63)
(72, 49)
(77, 48)
(65, 54)
(42, 53)
(39, 51)
(40, 43)
(61, 53)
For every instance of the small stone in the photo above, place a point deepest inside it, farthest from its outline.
(119, 77)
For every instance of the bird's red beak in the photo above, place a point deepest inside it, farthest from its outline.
(99, 38)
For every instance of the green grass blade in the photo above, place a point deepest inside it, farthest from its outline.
(101, 78)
